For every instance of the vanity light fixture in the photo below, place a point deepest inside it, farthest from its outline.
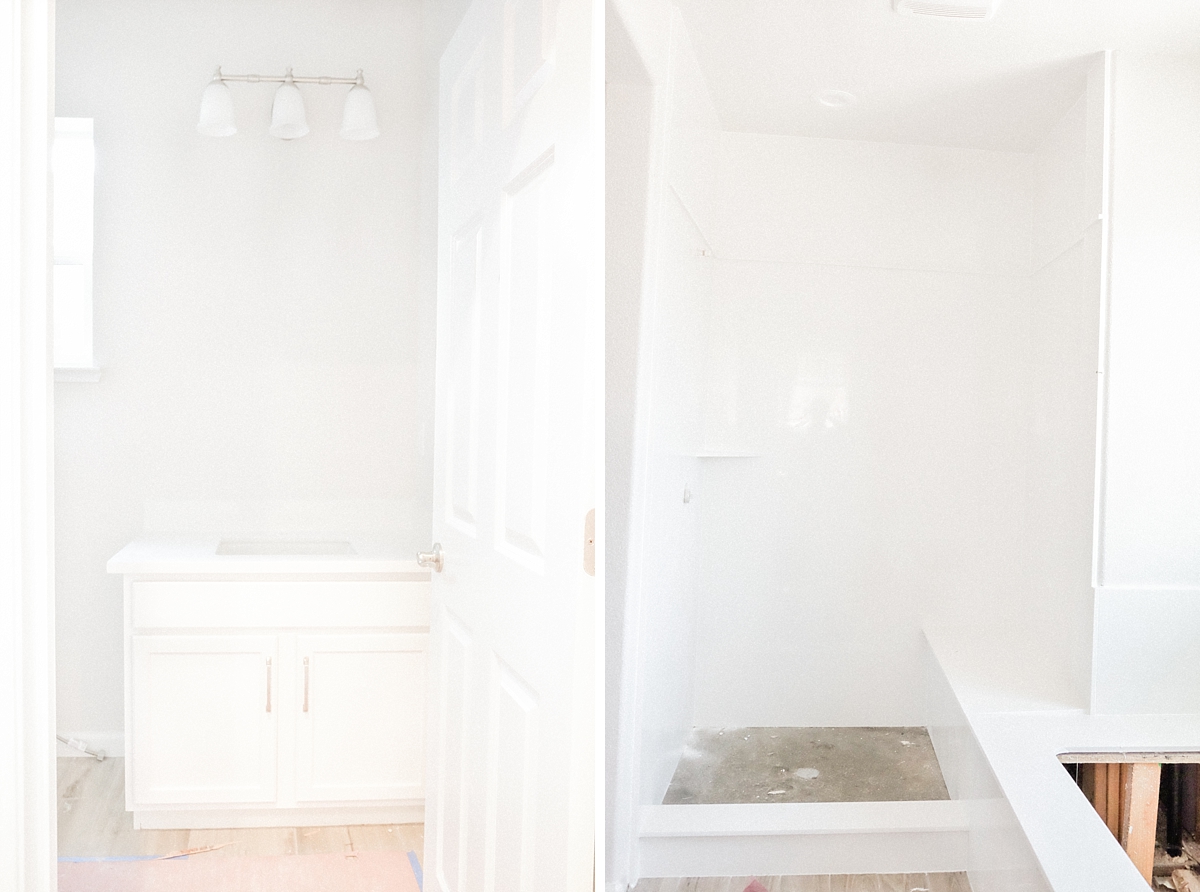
(288, 119)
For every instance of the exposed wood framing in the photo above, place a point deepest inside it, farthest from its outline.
(1125, 795)
(1139, 813)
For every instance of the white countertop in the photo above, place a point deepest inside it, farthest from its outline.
(1021, 731)
(178, 555)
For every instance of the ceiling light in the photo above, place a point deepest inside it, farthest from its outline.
(835, 98)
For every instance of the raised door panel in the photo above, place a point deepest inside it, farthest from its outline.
(205, 712)
(361, 728)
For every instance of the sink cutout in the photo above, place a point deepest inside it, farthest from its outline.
(233, 546)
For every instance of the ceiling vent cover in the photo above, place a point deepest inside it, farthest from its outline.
(949, 9)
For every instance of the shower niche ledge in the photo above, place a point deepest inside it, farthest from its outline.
(273, 683)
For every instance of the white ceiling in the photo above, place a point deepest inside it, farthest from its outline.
(998, 84)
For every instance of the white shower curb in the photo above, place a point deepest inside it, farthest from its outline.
(803, 838)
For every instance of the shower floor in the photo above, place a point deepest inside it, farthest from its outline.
(806, 765)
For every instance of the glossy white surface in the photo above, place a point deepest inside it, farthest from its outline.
(902, 345)
(997, 740)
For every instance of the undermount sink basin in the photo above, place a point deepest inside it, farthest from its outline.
(235, 546)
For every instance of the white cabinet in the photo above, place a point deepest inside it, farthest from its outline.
(206, 726)
(275, 699)
(362, 714)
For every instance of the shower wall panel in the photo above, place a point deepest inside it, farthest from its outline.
(885, 410)
(900, 414)
(866, 407)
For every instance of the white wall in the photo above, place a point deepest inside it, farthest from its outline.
(658, 280)
(1148, 562)
(629, 119)
(1054, 616)
(663, 568)
(258, 315)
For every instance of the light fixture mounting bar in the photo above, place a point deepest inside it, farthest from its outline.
(286, 78)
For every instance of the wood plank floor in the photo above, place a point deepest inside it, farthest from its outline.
(909, 882)
(93, 823)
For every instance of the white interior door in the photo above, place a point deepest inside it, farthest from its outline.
(519, 283)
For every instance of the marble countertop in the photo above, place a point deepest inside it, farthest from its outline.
(198, 555)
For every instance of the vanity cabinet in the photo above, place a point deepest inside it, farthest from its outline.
(275, 698)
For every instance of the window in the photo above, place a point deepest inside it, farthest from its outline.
(73, 164)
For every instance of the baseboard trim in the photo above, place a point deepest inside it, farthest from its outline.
(237, 818)
(796, 839)
(111, 742)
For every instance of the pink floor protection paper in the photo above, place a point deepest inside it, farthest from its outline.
(364, 872)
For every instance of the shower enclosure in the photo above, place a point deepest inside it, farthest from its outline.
(861, 380)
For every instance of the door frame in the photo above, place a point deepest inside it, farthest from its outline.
(28, 812)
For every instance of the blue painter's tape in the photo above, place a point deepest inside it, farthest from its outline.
(416, 866)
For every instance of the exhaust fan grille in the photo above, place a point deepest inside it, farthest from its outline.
(962, 9)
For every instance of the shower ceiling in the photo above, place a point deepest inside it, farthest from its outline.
(993, 85)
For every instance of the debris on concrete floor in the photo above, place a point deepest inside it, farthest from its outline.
(742, 765)
(1178, 873)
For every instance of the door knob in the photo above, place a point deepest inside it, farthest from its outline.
(435, 559)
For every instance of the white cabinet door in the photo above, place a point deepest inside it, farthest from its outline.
(204, 719)
(361, 706)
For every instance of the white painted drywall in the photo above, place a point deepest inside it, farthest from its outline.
(1148, 564)
(1053, 619)
(658, 280)
(664, 562)
(629, 116)
(1152, 479)
(258, 311)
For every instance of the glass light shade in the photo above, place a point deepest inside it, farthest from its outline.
(216, 111)
(287, 113)
(358, 115)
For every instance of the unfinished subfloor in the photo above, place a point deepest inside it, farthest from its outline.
(806, 765)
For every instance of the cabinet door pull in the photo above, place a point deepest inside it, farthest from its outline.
(306, 684)
(268, 684)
